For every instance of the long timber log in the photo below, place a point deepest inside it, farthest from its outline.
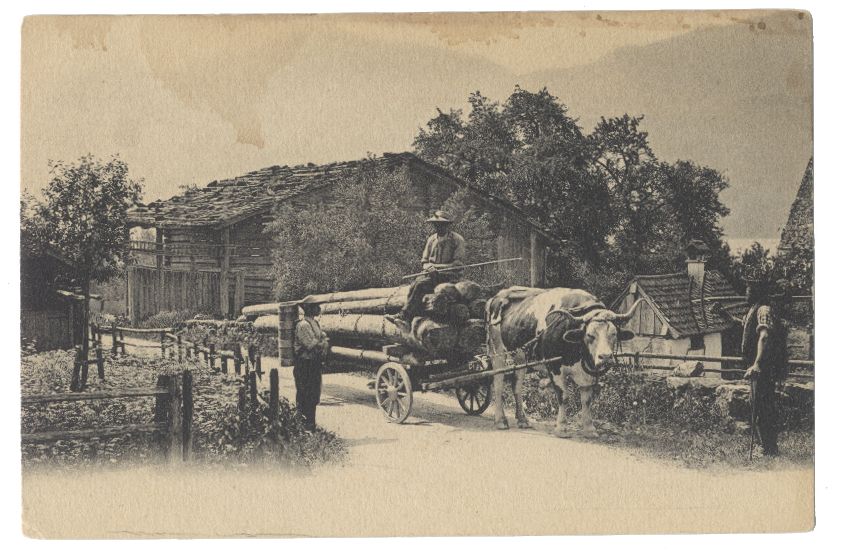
(348, 296)
(435, 338)
(375, 306)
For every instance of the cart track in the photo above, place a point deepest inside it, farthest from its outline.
(441, 472)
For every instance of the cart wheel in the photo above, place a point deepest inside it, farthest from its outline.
(474, 398)
(394, 392)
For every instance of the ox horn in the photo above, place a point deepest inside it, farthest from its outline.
(575, 320)
(623, 317)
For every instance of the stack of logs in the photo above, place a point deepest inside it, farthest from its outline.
(452, 323)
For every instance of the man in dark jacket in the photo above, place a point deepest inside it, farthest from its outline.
(311, 348)
(764, 349)
(444, 249)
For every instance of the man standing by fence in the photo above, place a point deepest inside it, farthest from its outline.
(445, 251)
(311, 348)
(764, 350)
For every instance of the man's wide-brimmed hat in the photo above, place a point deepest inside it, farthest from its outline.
(440, 217)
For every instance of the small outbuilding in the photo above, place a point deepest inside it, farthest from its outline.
(692, 312)
(51, 315)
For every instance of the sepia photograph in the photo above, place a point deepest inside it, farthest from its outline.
(425, 274)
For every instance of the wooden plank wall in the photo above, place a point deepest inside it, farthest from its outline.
(181, 290)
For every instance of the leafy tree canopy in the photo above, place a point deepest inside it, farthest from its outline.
(616, 207)
(83, 215)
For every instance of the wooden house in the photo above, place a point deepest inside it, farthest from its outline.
(211, 252)
(51, 316)
(693, 312)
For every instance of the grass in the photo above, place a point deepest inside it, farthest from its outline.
(635, 411)
(223, 436)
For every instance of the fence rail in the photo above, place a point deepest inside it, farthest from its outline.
(172, 417)
(638, 356)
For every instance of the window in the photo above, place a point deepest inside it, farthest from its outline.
(697, 341)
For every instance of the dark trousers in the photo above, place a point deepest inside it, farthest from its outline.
(766, 405)
(308, 389)
(422, 285)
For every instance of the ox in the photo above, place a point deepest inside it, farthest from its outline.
(560, 322)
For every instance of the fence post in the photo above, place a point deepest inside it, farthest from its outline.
(223, 363)
(179, 349)
(100, 370)
(114, 341)
(84, 374)
(237, 365)
(175, 450)
(212, 357)
(123, 345)
(162, 343)
(274, 397)
(195, 349)
(258, 364)
(241, 405)
(160, 411)
(637, 360)
(188, 415)
(75, 375)
(252, 384)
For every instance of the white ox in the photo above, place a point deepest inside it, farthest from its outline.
(559, 322)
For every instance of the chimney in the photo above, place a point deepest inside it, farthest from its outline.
(697, 252)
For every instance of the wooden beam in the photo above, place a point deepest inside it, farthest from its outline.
(224, 295)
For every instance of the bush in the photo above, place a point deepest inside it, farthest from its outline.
(166, 319)
(221, 433)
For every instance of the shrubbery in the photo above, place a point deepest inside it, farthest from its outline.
(221, 434)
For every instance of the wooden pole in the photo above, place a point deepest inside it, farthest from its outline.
(188, 415)
(78, 364)
(258, 366)
(287, 317)
(223, 363)
(252, 384)
(100, 367)
(162, 343)
(212, 357)
(84, 374)
(114, 341)
(175, 450)
(274, 397)
(241, 405)
(179, 349)
(123, 345)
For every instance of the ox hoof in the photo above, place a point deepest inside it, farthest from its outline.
(590, 434)
(502, 424)
(523, 424)
(562, 432)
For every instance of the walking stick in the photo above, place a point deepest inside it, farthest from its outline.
(752, 416)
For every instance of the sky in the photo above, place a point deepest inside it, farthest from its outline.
(188, 100)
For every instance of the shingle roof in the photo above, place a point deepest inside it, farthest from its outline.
(224, 202)
(686, 307)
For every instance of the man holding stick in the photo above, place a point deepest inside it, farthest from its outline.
(444, 254)
(764, 350)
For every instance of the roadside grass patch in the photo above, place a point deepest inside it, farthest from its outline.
(635, 410)
(222, 436)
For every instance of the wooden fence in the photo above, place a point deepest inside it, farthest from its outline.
(173, 346)
(173, 415)
(638, 357)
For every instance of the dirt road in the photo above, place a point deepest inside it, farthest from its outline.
(440, 473)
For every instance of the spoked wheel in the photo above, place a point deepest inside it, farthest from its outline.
(394, 392)
(474, 398)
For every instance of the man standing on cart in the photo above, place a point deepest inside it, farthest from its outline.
(445, 252)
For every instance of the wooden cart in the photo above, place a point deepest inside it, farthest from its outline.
(396, 381)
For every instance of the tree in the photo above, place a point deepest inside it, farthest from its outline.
(615, 207)
(83, 214)
(372, 237)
